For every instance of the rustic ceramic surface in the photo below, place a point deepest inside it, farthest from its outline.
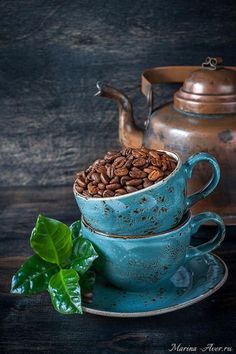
(144, 262)
(197, 279)
(153, 209)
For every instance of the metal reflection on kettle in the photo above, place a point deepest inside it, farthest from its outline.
(201, 117)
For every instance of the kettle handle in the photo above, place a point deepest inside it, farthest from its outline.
(165, 75)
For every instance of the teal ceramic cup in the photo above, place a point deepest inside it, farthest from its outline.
(143, 262)
(154, 209)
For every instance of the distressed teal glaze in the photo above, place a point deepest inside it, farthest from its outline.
(197, 279)
(153, 209)
(144, 262)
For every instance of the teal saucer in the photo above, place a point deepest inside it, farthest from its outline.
(197, 279)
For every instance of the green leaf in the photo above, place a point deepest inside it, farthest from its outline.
(33, 276)
(51, 240)
(75, 228)
(65, 291)
(83, 255)
(87, 281)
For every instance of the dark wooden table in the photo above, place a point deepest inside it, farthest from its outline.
(30, 325)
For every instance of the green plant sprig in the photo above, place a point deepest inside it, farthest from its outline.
(60, 265)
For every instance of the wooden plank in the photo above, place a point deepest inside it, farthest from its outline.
(30, 325)
(52, 54)
(20, 208)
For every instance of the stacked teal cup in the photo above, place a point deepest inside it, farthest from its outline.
(142, 238)
(143, 262)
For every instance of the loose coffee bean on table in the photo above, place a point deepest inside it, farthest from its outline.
(125, 171)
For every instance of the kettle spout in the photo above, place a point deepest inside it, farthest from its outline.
(129, 134)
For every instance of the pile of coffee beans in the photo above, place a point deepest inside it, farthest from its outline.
(125, 171)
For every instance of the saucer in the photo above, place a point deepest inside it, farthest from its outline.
(197, 279)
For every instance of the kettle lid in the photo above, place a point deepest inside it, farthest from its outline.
(209, 90)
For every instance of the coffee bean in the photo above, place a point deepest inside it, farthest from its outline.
(116, 179)
(155, 162)
(150, 169)
(110, 171)
(124, 179)
(119, 162)
(120, 191)
(78, 174)
(81, 174)
(126, 152)
(108, 193)
(154, 175)
(147, 183)
(164, 165)
(139, 162)
(81, 183)
(138, 153)
(92, 189)
(111, 156)
(147, 164)
(113, 186)
(104, 178)
(78, 189)
(100, 168)
(134, 182)
(137, 173)
(88, 170)
(129, 162)
(154, 153)
(123, 171)
(95, 177)
(96, 162)
(86, 194)
(89, 175)
(131, 189)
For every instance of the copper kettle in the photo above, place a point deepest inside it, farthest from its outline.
(202, 117)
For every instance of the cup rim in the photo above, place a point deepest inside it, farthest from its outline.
(163, 181)
(184, 221)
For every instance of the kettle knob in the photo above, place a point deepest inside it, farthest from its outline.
(212, 63)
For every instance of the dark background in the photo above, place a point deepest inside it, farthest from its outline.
(53, 52)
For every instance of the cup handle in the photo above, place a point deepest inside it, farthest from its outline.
(211, 185)
(212, 244)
